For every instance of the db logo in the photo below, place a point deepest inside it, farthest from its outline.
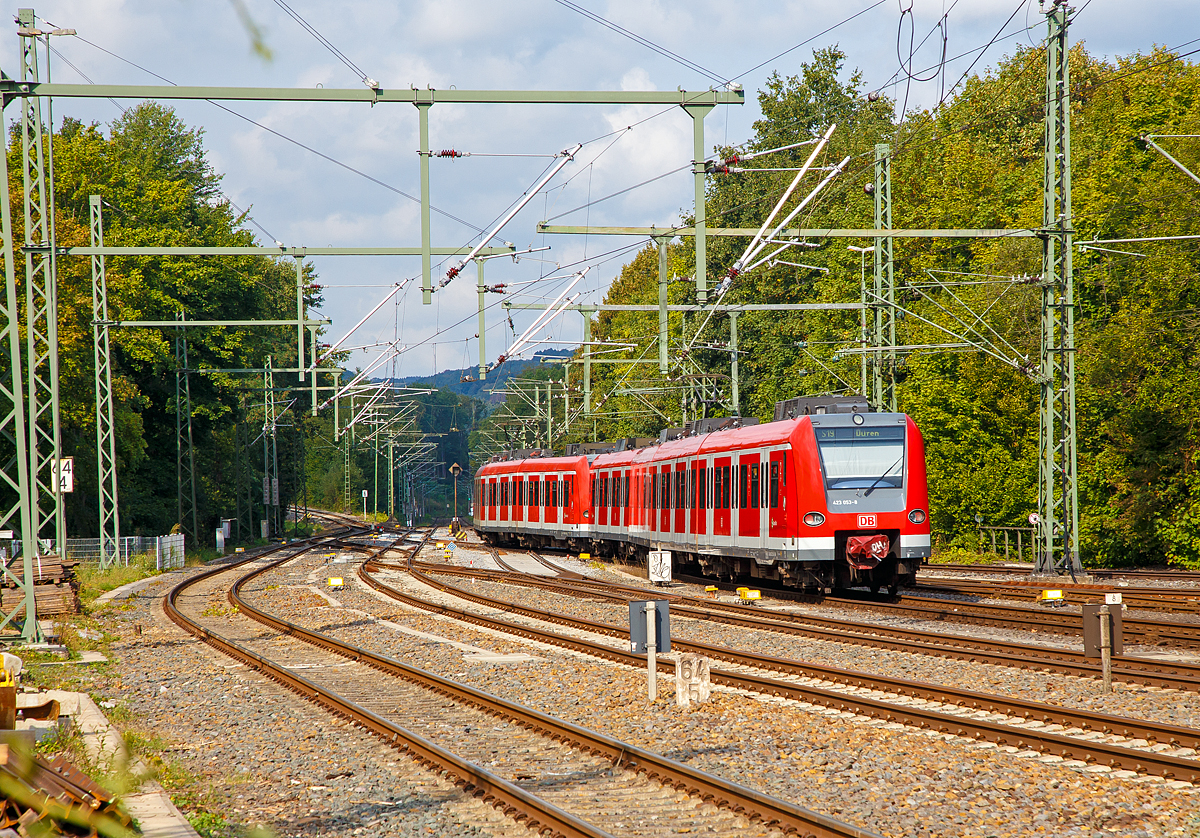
(866, 521)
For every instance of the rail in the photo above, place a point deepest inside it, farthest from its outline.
(1052, 743)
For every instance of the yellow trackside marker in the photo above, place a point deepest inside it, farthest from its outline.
(239, 549)
(1049, 596)
(711, 590)
(749, 596)
(336, 583)
(584, 557)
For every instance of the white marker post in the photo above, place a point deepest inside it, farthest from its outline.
(651, 652)
(1106, 648)
(1106, 638)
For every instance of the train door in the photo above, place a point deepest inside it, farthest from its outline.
(721, 495)
(680, 491)
(777, 495)
(703, 497)
(664, 498)
(602, 512)
(519, 498)
(551, 505)
(695, 490)
(535, 483)
(749, 497)
(620, 517)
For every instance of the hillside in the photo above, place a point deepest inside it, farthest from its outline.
(453, 380)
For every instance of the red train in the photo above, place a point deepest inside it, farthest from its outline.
(835, 497)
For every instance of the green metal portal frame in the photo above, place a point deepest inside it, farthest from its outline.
(1058, 505)
(29, 419)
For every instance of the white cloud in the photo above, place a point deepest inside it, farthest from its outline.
(526, 44)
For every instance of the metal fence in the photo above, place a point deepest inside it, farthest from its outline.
(168, 550)
(1009, 541)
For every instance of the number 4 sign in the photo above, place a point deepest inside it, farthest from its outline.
(64, 474)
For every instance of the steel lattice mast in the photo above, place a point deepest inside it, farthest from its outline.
(106, 445)
(1058, 500)
(41, 306)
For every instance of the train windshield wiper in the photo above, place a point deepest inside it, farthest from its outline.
(880, 477)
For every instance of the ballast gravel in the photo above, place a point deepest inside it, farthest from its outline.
(242, 752)
(1146, 702)
(886, 778)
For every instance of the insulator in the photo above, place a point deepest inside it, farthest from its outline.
(453, 272)
(732, 161)
(449, 152)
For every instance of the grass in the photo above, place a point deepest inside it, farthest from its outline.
(93, 582)
(959, 555)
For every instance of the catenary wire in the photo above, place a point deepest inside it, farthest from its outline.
(286, 138)
(322, 40)
(663, 51)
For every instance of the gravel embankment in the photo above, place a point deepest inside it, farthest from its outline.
(1168, 706)
(882, 777)
(241, 745)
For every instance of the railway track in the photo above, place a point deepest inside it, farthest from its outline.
(1137, 630)
(1174, 600)
(1129, 668)
(925, 706)
(579, 782)
(1094, 572)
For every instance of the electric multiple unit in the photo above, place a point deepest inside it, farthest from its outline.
(819, 501)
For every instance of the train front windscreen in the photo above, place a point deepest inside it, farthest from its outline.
(862, 457)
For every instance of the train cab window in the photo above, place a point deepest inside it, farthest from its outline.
(754, 485)
(862, 458)
(775, 484)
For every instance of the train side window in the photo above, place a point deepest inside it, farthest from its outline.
(568, 487)
(625, 497)
(744, 488)
(754, 485)
(774, 484)
(702, 484)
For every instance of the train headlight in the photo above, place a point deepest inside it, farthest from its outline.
(814, 519)
(917, 516)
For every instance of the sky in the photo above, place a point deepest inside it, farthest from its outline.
(296, 197)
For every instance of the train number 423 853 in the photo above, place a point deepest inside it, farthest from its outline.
(866, 521)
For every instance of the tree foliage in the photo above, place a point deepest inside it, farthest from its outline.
(975, 162)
